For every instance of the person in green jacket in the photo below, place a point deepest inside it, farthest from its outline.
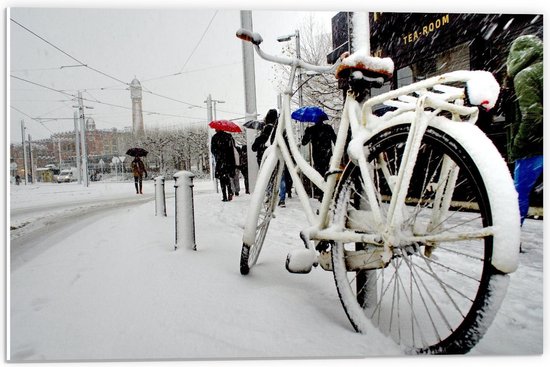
(524, 67)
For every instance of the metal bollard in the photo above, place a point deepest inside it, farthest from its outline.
(160, 197)
(185, 210)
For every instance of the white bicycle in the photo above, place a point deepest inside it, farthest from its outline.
(421, 226)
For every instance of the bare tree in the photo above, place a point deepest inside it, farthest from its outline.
(319, 90)
(156, 142)
(199, 148)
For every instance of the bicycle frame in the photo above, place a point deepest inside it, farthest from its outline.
(358, 118)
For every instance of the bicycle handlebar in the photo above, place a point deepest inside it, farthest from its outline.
(256, 39)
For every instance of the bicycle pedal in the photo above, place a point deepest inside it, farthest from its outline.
(300, 261)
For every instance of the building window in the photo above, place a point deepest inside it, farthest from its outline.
(404, 76)
(456, 58)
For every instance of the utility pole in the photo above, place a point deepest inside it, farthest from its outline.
(59, 150)
(33, 178)
(77, 145)
(286, 38)
(214, 101)
(211, 115)
(298, 55)
(250, 98)
(210, 159)
(296, 36)
(23, 145)
(83, 140)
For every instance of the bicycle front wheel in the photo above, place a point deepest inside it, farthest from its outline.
(431, 297)
(260, 214)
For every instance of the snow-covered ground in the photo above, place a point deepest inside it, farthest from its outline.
(93, 275)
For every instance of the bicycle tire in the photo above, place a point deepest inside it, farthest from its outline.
(437, 304)
(262, 214)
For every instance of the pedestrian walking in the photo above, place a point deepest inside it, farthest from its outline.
(236, 178)
(243, 166)
(138, 169)
(285, 187)
(222, 149)
(321, 137)
(525, 70)
(260, 143)
(288, 182)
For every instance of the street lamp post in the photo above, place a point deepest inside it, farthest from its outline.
(287, 38)
(214, 101)
(305, 152)
(296, 36)
(59, 151)
(83, 140)
(210, 116)
(81, 107)
(77, 146)
(24, 151)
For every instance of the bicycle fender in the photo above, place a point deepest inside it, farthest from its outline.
(500, 188)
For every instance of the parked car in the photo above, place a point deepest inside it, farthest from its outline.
(66, 175)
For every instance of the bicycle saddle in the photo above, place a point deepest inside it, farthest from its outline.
(371, 67)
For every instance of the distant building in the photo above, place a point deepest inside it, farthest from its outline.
(60, 148)
(137, 112)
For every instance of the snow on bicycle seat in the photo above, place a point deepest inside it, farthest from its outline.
(371, 66)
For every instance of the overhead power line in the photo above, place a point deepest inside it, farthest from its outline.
(32, 118)
(112, 77)
(190, 55)
(100, 102)
(117, 79)
(190, 71)
(200, 40)
(67, 54)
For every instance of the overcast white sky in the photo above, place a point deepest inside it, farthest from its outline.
(198, 45)
(148, 40)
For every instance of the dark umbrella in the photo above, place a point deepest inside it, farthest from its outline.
(137, 152)
(225, 125)
(254, 124)
(309, 114)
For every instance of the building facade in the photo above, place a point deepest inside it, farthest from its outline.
(60, 150)
(422, 45)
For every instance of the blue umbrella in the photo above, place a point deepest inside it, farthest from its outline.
(309, 114)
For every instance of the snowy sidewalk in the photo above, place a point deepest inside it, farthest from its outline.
(116, 289)
(113, 288)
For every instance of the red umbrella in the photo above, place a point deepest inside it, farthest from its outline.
(225, 125)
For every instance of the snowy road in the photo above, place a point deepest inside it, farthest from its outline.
(111, 287)
(47, 227)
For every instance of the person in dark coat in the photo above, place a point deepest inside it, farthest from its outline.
(222, 149)
(525, 67)
(259, 145)
(321, 136)
(243, 166)
(138, 169)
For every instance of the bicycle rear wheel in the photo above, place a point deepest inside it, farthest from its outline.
(260, 214)
(431, 297)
